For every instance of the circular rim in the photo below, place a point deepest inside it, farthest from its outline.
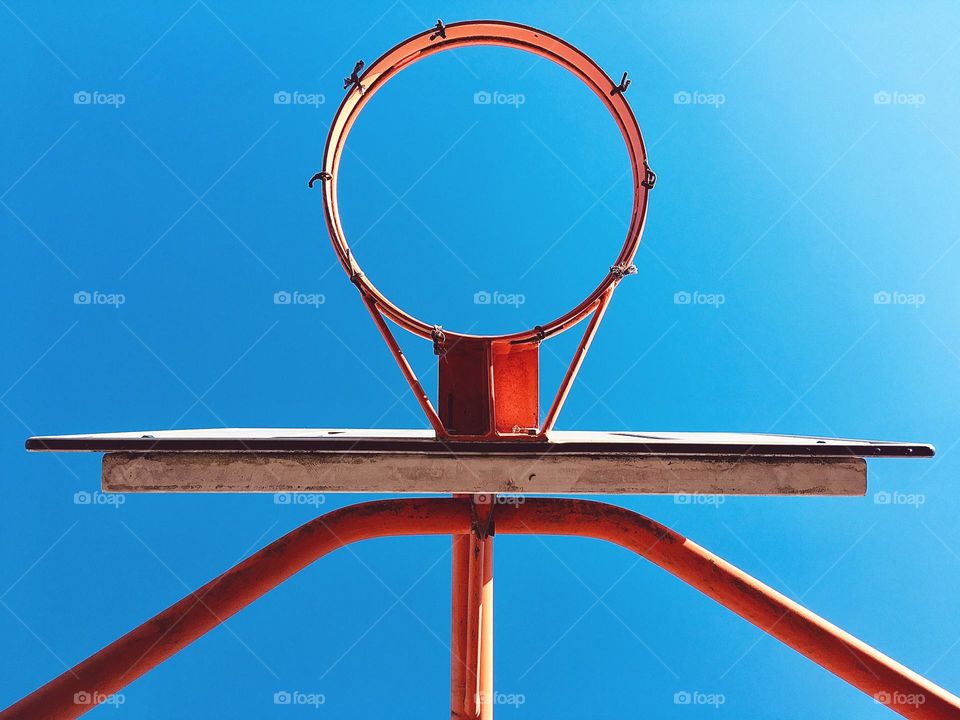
(502, 34)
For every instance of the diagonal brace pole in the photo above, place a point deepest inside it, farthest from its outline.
(145, 647)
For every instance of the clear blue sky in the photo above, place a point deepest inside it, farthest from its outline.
(816, 164)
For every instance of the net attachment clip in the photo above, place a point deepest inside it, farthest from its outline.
(650, 177)
(441, 30)
(322, 175)
(353, 80)
(622, 87)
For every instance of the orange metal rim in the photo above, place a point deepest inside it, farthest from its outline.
(493, 33)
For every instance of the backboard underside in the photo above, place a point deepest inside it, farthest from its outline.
(415, 461)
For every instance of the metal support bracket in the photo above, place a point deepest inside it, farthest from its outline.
(481, 511)
(120, 663)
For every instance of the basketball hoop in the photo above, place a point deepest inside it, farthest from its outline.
(488, 392)
(489, 384)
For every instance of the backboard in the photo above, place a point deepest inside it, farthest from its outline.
(417, 461)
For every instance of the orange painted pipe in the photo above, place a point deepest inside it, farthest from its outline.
(561, 397)
(409, 375)
(485, 681)
(143, 648)
(864, 667)
(474, 618)
(458, 625)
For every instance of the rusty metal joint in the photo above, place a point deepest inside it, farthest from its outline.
(482, 523)
(622, 87)
(439, 341)
(353, 80)
(441, 30)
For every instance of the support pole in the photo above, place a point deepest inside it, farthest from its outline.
(475, 573)
(146, 646)
(471, 705)
(867, 669)
(485, 690)
(143, 648)
(459, 577)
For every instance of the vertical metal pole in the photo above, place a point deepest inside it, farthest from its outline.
(471, 647)
(486, 634)
(471, 701)
(458, 629)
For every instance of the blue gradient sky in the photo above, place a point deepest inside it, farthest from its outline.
(816, 166)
